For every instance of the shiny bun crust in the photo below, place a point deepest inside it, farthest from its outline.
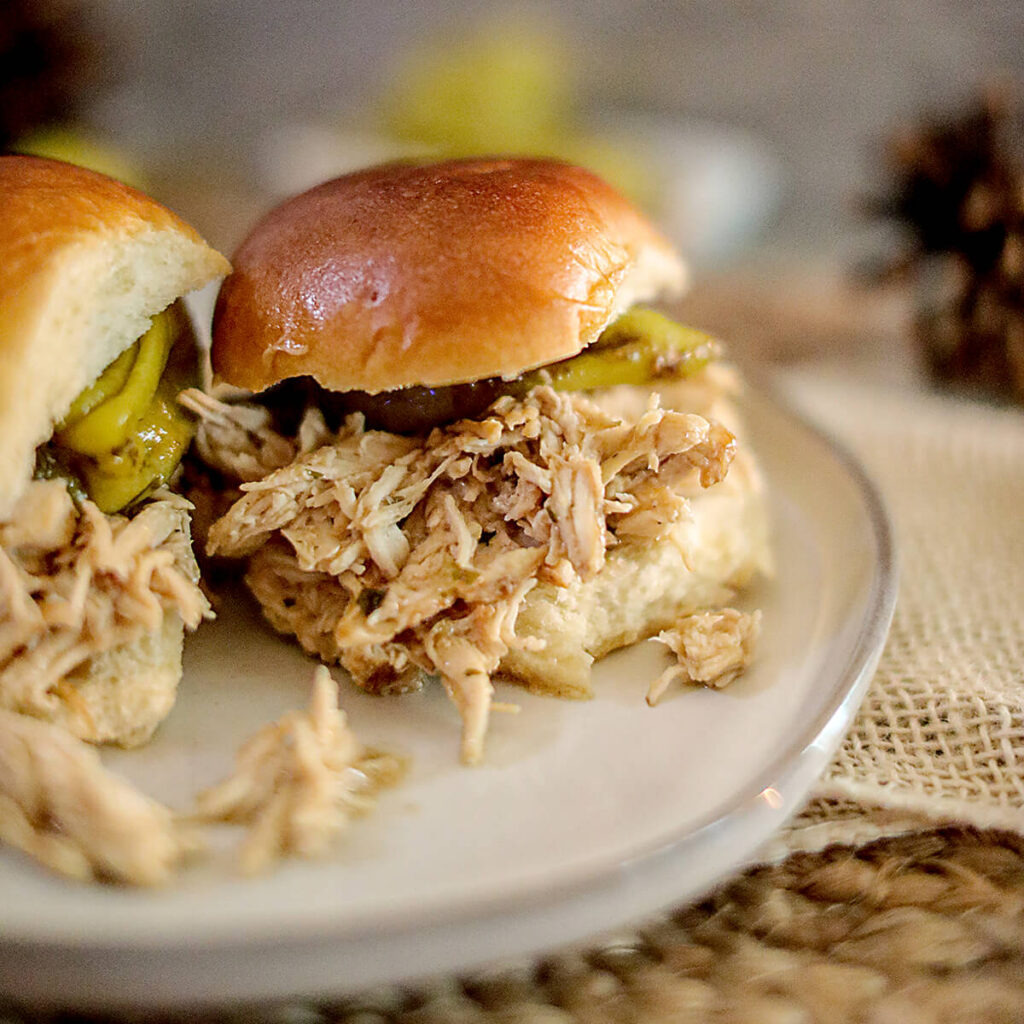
(85, 262)
(434, 274)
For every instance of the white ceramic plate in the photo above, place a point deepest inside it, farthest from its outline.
(582, 818)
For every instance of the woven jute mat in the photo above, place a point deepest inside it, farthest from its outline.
(926, 927)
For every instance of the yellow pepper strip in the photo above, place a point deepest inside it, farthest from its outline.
(109, 383)
(126, 433)
(641, 347)
(148, 458)
(109, 424)
(638, 348)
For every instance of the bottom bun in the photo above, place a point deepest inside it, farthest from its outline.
(122, 695)
(97, 607)
(643, 589)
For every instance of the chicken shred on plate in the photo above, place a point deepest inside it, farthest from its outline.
(61, 806)
(298, 781)
(710, 647)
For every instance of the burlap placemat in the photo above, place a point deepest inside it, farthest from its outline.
(940, 736)
(897, 895)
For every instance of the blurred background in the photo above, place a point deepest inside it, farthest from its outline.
(751, 130)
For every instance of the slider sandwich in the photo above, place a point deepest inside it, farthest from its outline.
(470, 452)
(97, 576)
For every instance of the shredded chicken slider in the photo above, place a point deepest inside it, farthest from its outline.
(455, 465)
(97, 576)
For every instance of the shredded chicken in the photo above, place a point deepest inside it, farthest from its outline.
(298, 782)
(711, 647)
(239, 441)
(234, 443)
(61, 806)
(75, 583)
(398, 556)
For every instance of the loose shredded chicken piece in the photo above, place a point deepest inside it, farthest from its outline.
(711, 647)
(238, 439)
(298, 782)
(75, 583)
(398, 556)
(61, 806)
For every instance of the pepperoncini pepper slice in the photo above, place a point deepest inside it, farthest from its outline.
(126, 433)
(107, 424)
(146, 460)
(640, 347)
(109, 383)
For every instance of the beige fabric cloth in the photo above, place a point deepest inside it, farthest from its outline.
(940, 736)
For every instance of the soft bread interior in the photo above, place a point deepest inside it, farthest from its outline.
(122, 695)
(94, 301)
(654, 274)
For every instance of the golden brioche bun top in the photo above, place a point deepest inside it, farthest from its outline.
(85, 262)
(434, 274)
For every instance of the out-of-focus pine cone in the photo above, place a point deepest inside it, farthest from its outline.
(49, 63)
(957, 189)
